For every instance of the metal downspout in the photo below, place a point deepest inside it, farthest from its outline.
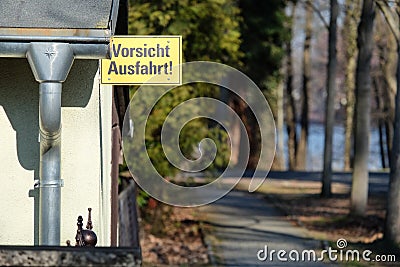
(50, 63)
(50, 163)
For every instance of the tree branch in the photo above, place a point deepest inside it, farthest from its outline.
(317, 11)
(389, 17)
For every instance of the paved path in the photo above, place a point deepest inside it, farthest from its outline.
(240, 224)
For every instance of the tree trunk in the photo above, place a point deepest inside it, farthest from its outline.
(279, 160)
(330, 100)
(379, 108)
(235, 140)
(359, 192)
(392, 228)
(386, 79)
(388, 48)
(350, 47)
(389, 66)
(301, 155)
(381, 145)
(389, 139)
(290, 104)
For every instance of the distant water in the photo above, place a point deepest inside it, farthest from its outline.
(316, 148)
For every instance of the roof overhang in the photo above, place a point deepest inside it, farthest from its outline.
(54, 20)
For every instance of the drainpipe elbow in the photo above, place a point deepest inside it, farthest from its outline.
(50, 109)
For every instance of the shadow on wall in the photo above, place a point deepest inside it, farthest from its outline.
(19, 97)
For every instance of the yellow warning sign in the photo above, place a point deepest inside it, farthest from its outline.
(136, 59)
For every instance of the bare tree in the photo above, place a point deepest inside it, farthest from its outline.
(384, 80)
(359, 192)
(279, 160)
(392, 227)
(290, 102)
(330, 100)
(349, 34)
(388, 60)
(301, 153)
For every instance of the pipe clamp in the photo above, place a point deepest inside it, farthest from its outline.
(54, 183)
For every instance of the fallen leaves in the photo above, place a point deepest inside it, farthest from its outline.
(331, 219)
(179, 242)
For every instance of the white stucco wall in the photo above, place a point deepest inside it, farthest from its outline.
(86, 152)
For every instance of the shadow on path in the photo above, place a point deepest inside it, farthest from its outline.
(240, 224)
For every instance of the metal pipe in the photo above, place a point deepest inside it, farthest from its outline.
(50, 163)
(15, 50)
(69, 39)
(50, 64)
(90, 51)
(80, 51)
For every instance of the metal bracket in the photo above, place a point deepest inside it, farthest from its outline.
(54, 183)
